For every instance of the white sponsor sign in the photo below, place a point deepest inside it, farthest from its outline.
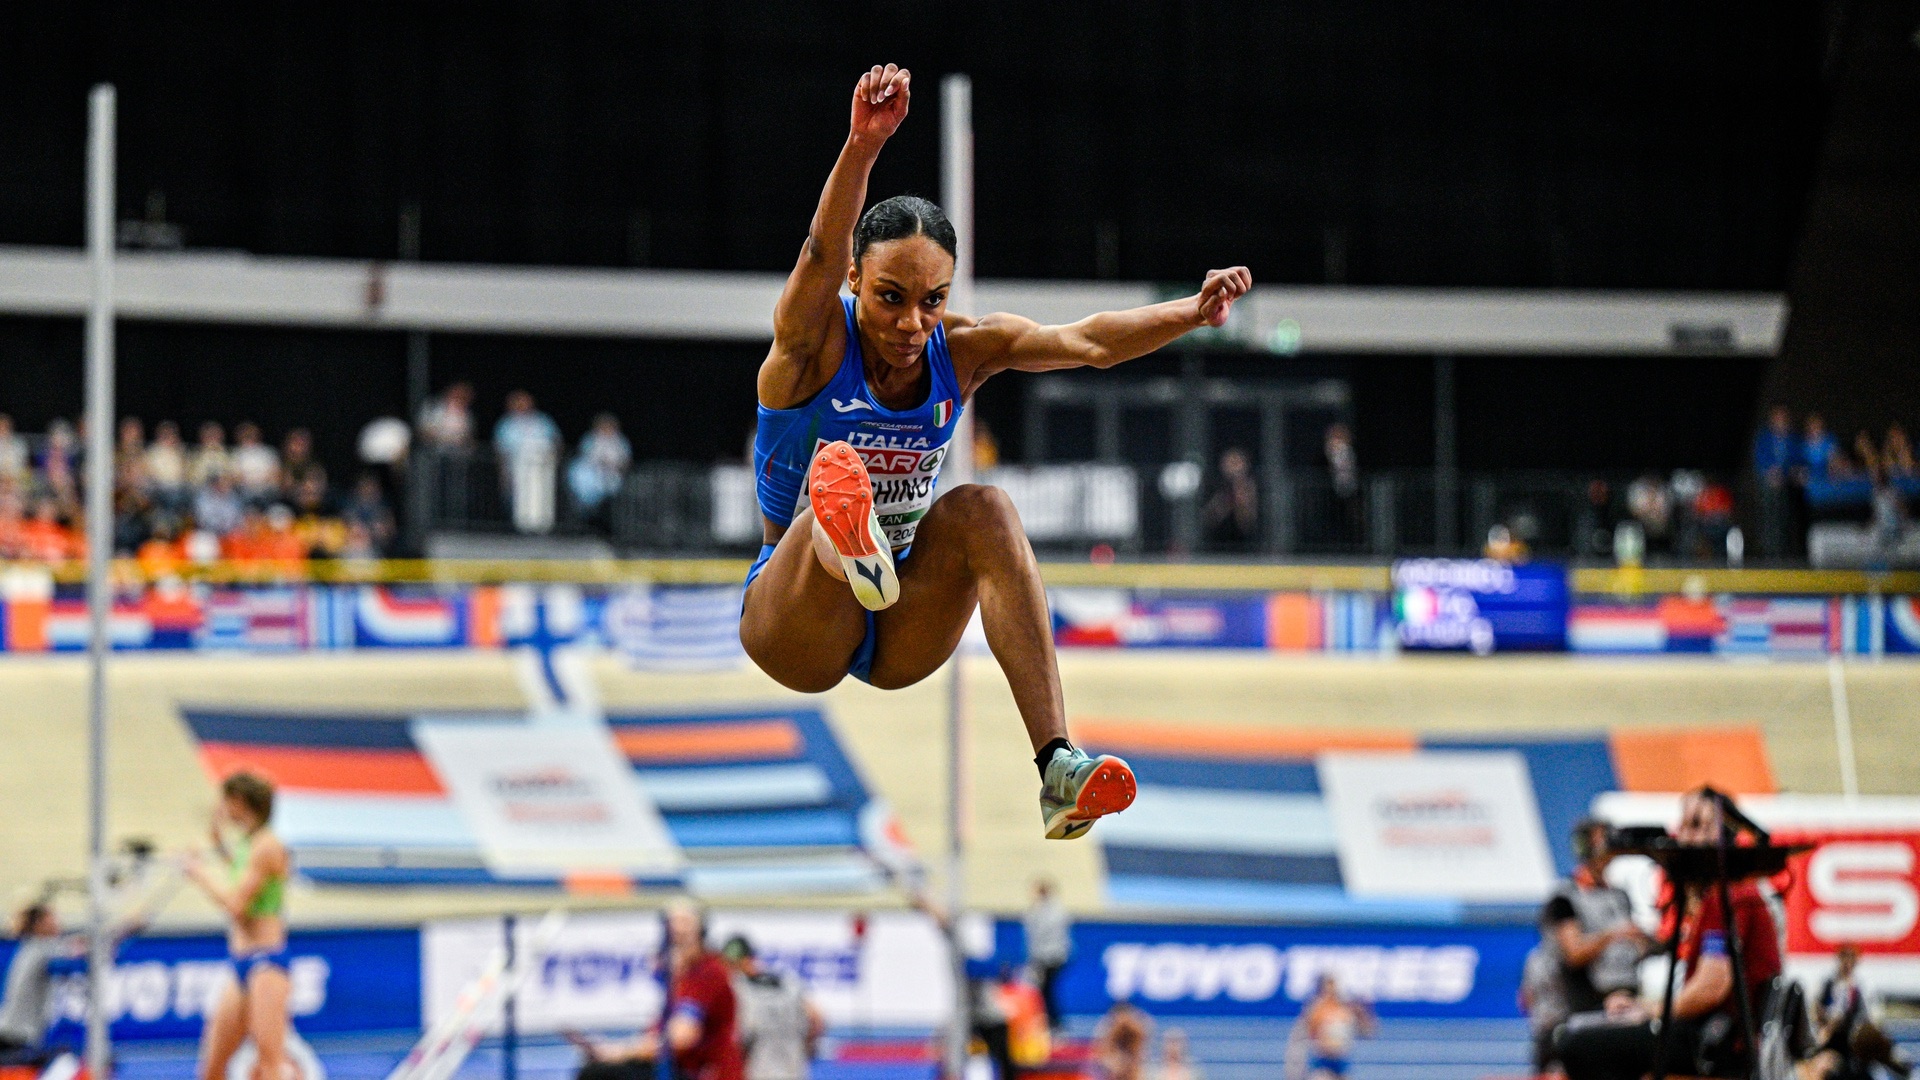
(549, 799)
(601, 973)
(1461, 825)
(1257, 972)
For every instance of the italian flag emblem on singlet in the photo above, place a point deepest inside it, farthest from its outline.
(942, 413)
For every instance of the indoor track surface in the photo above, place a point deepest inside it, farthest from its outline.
(159, 789)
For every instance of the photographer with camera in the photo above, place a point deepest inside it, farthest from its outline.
(1590, 948)
(1706, 1037)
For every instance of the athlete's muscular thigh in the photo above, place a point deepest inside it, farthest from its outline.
(937, 596)
(799, 623)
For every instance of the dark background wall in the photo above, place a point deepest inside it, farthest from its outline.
(1372, 142)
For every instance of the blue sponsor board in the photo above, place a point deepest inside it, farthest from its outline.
(1188, 969)
(161, 987)
(1480, 605)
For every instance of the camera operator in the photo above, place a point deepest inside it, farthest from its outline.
(1587, 932)
(1706, 1037)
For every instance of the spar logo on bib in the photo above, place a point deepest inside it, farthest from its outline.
(903, 470)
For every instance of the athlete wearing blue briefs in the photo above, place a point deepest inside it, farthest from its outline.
(864, 572)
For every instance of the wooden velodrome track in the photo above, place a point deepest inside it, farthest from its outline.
(159, 790)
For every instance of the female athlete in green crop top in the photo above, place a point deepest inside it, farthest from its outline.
(248, 881)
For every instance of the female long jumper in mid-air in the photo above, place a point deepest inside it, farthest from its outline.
(858, 399)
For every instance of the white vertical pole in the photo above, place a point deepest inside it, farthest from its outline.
(956, 184)
(99, 349)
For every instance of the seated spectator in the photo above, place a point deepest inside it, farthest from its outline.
(16, 464)
(297, 463)
(12, 521)
(446, 423)
(1896, 456)
(132, 520)
(209, 458)
(217, 508)
(166, 468)
(367, 511)
(130, 455)
(256, 466)
(60, 464)
(1867, 454)
(162, 555)
(266, 542)
(600, 464)
(1650, 504)
(44, 538)
(319, 529)
(1818, 448)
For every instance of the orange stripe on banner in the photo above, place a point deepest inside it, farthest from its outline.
(325, 768)
(1295, 621)
(590, 883)
(706, 742)
(1183, 741)
(483, 617)
(1733, 759)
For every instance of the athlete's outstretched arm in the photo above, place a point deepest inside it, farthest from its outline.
(809, 306)
(1011, 343)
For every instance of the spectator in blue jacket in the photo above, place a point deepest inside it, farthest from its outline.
(1774, 450)
(1818, 448)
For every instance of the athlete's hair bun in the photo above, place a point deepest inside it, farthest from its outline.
(900, 217)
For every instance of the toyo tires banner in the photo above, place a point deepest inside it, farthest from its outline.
(1192, 969)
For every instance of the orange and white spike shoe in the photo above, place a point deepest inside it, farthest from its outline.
(842, 498)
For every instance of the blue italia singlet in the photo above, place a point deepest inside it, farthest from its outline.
(903, 450)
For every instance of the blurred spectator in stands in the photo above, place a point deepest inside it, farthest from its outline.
(1120, 1044)
(12, 519)
(1176, 1058)
(599, 466)
(1593, 527)
(986, 448)
(60, 465)
(446, 423)
(162, 554)
(1049, 932)
(1896, 457)
(1866, 454)
(1774, 452)
(367, 511)
(132, 520)
(1652, 507)
(1712, 519)
(209, 458)
(1232, 513)
(321, 532)
(217, 507)
(255, 465)
(130, 455)
(1343, 470)
(43, 538)
(528, 442)
(297, 464)
(1503, 546)
(1776, 468)
(166, 469)
(16, 463)
(1818, 448)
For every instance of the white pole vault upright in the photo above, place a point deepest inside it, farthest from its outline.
(99, 349)
(956, 176)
